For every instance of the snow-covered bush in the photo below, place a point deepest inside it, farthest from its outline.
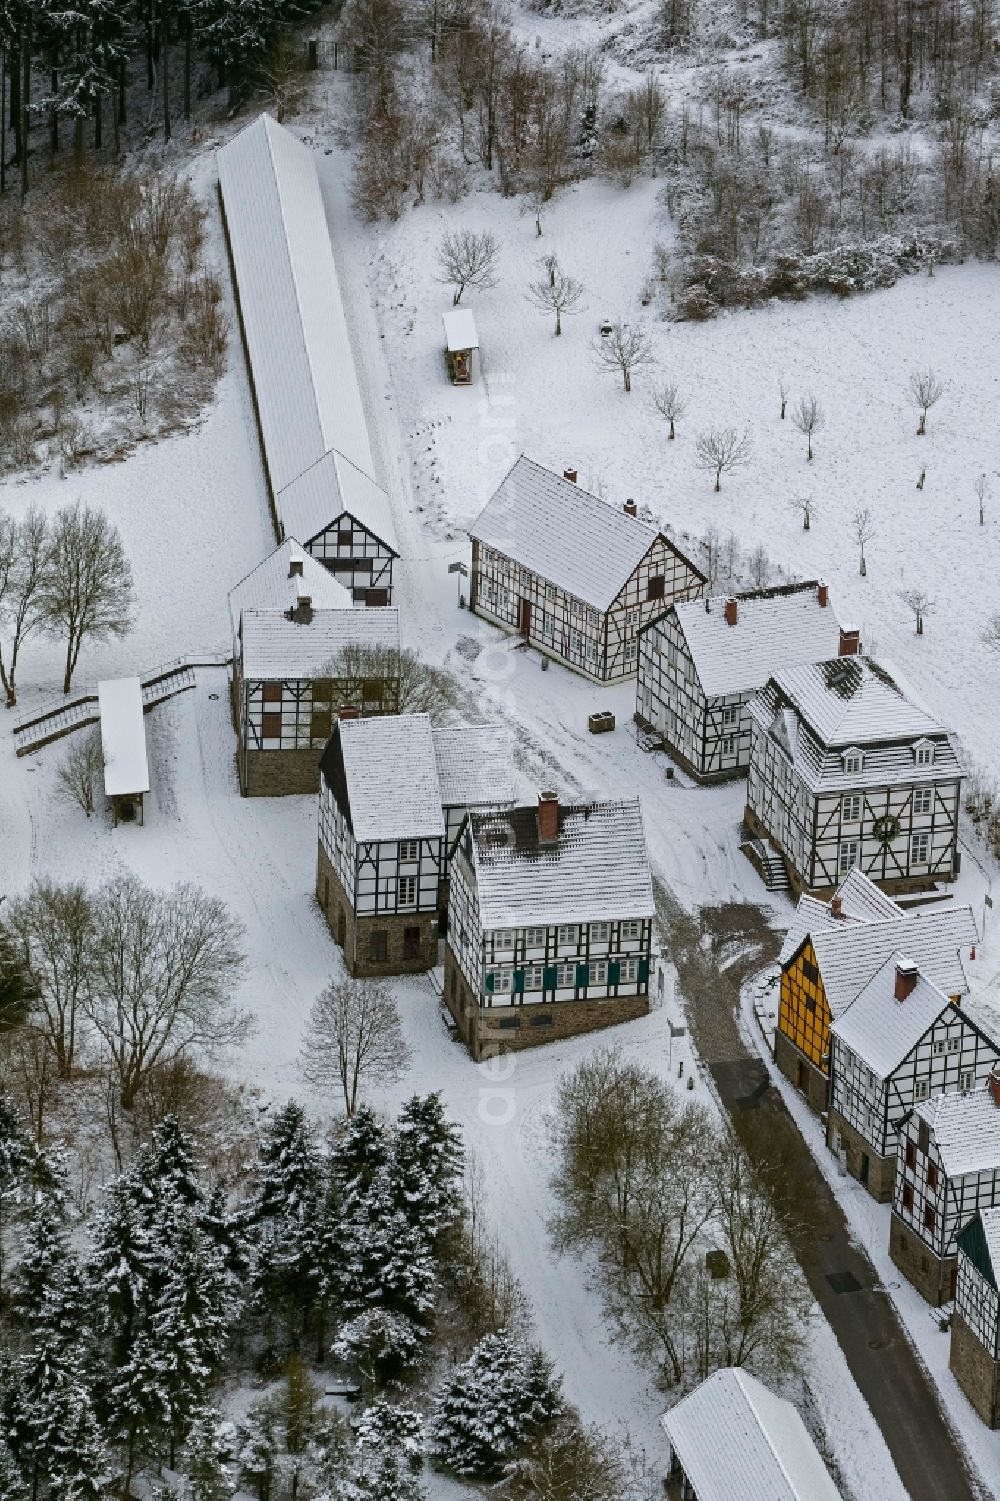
(492, 1405)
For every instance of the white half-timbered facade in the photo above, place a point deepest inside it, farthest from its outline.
(899, 1042)
(702, 661)
(549, 922)
(394, 792)
(974, 1356)
(307, 396)
(845, 770)
(947, 1170)
(572, 575)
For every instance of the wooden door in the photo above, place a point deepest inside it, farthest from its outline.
(525, 618)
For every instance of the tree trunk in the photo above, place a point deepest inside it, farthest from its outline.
(718, 481)
(54, 115)
(25, 103)
(628, 379)
(188, 48)
(165, 66)
(922, 425)
(671, 434)
(558, 323)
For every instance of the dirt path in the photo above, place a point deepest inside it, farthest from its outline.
(714, 953)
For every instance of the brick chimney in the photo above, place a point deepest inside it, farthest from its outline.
(836, 906)
(822, 594)
(850, 641)
(548, 817)
(906, 978)
(303, 612)
(993, 1084)
(570, 474)
(630, 508)
(295, 566)
(732, 612)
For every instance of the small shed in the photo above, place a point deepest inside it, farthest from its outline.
(461, 343)
(123, 744)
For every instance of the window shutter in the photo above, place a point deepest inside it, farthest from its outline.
(519, 981)
(643, 971)
(614, 972)
(489, 983)
(549, 977)
(583, 974)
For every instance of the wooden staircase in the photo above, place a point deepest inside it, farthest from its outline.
(768, 864)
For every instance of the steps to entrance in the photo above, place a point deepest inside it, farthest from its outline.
(767, 862)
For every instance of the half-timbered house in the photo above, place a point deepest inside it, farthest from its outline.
(831, 952)
(702, 661)
(549, 923)
(974, 1357)
(394, 794)
(285, 694)
(310, 413)
(947, 1169)
(572, 575)
(900, 1041)
(845, 770)
(733, 1439)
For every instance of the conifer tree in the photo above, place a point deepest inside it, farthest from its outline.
(284, 1219)
(208, 1460)
(388, 1457)
(13, 1485)
(427, 1165)
(488, 1408)
(15, 1166)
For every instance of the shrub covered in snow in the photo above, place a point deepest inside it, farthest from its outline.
(490, 1406)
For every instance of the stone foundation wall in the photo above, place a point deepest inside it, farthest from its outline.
(976, 1373)
(279, 773)
(355, 932)
(929, 1274)
(483, 1031)
(881, 1170)
(788, 1058)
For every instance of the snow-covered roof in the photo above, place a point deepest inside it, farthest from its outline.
(564, 534)
(305, 382)
(274, 585)
(935, 939)
(275, 647)
(774, 628)
(328, 489)
(123, 736)
(391, 778)
(475, 766)
(966, 1130)
(987, 1240)
(460, 330)
(882, 1031)
(596, 870)
(738, 1441)
(860, 901)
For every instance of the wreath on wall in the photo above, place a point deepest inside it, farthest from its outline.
(886, 828)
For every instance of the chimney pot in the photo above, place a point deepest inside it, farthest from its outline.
(295, 566)
(570, 474)
(823, 594)
(906, 979)
(631, 509)
(850, 641)
(993, 1083)
(548, 817)
(732, 612)
(836, 906)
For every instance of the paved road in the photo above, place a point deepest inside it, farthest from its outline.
(714, 953)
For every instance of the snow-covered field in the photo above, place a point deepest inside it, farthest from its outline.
(193, 515)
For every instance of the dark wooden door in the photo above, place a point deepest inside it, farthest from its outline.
(376, 596)
(525, 618)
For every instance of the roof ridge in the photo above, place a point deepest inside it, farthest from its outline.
(741, 1376)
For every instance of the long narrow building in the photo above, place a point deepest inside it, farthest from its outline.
(310, 412)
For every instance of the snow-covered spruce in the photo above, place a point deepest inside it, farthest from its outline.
(488, 1408)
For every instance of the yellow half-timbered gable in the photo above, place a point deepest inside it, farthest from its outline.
(804, 1013)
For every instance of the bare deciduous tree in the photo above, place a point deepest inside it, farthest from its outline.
(78, 771)
(389, 681)
(161, 972)
(806, 506)
(783, 393)
(23, 551)
(556, 293)
(354, 1037)
(86, 591)
(920, 602)
(759, 565)
(809, 418)
(863, 523)
(624, 350)
(991, 632)
(670, 404)
(721, 450)
(468, 258)
(927, 388)
(982, 488)
(55, 924)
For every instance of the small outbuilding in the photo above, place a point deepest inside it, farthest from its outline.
(123, 745)
(461, 343)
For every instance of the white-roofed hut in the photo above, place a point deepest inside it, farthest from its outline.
(123, 746)
(461, 345)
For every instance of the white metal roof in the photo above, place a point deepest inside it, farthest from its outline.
(738, 1441)
(860, 901)
(329, 489)
(392, 780)
(990, 1219)
(567, 536)
(597, 870)
(883, 1031)
(276, 647)
(774, 628)
(966, 1130)
(272, 585)
(460, 330)
(475, 766)
(123, 736)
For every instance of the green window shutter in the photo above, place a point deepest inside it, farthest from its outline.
(643, 971)
(614, 972)
(583, 974)
(519, 981)
(489, 984)
(549, 977)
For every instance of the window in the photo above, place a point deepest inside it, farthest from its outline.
(535, 938)
(939, 1047)
(407, 891)
(411, 943)
(372, 690)
(378, 945)
(967, 1080)
(922, 799)
(907, 1195)
(911, 1155)
(631, 651)
(920, 1092)
(850, 808)
(629, 969)
(656, 588)
(924, 755)
(930, 1218)
(729, 745)
(809, 972)
(932, 1176)
(566, 975)
(853, 762)
(632, 618)
(920, 849)
(731, 714)
(599, 932)
(534, 977)
(568, 934)
(631, 930)
(408, 849)
(848, 855)
(599, 972)
(503, 938)
(550, 591)
(954, 1043)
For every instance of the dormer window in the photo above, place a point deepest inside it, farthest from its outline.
(923, 753)
(853, 762)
